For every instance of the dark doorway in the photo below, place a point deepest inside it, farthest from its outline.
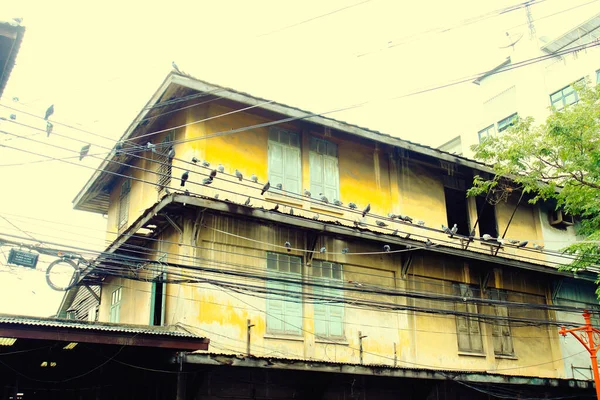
(487, 217)
(457, 210)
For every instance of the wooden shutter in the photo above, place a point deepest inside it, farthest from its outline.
(124, 202)
(292, 169)
(276, 169)
(467, 328)
(293, 309)
(331, 177)
(316, 174)
(274, 303)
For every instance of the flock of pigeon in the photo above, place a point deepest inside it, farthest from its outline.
(451, 232)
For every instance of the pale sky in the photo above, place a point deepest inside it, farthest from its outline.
(99, 64)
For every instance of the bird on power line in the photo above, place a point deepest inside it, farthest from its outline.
(454, 229)
(220, 168)
(13, 116)
(392, 215)
(150, 146)
(275, 208)
(49, 112)
(395, 232)
(487, 237)
(265, 188)
(49, 127)
(538, 247)
(381, 223)
(338, 203)
(279, 186)
(428, 243)
(501, 241)
(175, 67)
(239, 175)
(323, 198)
(387, 248)
(345, 250)
(206, 181)
(322, 249)
(247, 202)
(184, 177)
(446, 230)
(254, 178)
(406, 218)
(288, 246)
(352, 206)
(366, 210)
(513, 241)
(195, 160)
(206, 164)
(306, 193)
(171, 153)
(359, 223)
(213, 173)
(421, 222)
(84, 151)
(316, 216)
(522, 244)
(118, 146)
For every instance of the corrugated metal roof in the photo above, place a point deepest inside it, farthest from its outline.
(93, 326)
(585, 33)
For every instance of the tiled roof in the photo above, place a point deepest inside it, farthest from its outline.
(93, 326)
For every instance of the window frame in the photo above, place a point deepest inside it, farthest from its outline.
(123, 211)
(501, 330)
(164, 171)
(115, 305)
(290, 324)
(319, 162)
(466, 290)
(487, 132)
(563, 96)
(289, 144)
(598, 77)
(328, 309)
(511, 120)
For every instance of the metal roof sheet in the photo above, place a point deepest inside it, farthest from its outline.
(93, 326)
(18, 31)
(584, 33)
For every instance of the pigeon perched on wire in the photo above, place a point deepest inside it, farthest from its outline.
(171, 153)
(395, 232)
(323, 198)
(454, 229)
(275, 208)
(206, 164)
(522, 244)
(387, 248)
(84, 151)
(13, 116)
(150, 146)
(322, 249)
(49, 128)
(288, 246)
(247, 202)
(184, 177)
(366, 210)
(446, 230)
(421, 223)
(352, 206)
(487, 237)
(195, 160)
(306, 193)
(15, 99)
(538, 247)
(175, 67)
(49, 112)
(513, 241)
(279, 186)
(392, 215)
(428, 243)
(265, 188)
(345, 250)
(207, 181)
(254, 178)
(239, 175)
(220, 168)
(213, 173)
(338, 203)
(381, 223)
(406, 218)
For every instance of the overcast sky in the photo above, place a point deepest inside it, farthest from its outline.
(99, 64)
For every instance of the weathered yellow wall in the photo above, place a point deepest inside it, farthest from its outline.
(367, 175)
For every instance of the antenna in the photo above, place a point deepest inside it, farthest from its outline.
(530, 23)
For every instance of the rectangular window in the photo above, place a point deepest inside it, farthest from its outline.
(564, 97)
(487, 132)
(284, 160)
(284, 300)
(329, 313)
(503, 344)
(507, 122)
(598, 77)
(456, 210)
(324, 172)
(115, 306)
(467, 327)
(124, 202)
(157, 301)
(165, 165)
(487, 217)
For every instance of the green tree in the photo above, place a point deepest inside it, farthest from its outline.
(557, 160)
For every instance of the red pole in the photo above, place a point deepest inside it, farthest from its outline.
(593, 351)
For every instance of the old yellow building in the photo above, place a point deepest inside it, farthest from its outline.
(305, 281)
